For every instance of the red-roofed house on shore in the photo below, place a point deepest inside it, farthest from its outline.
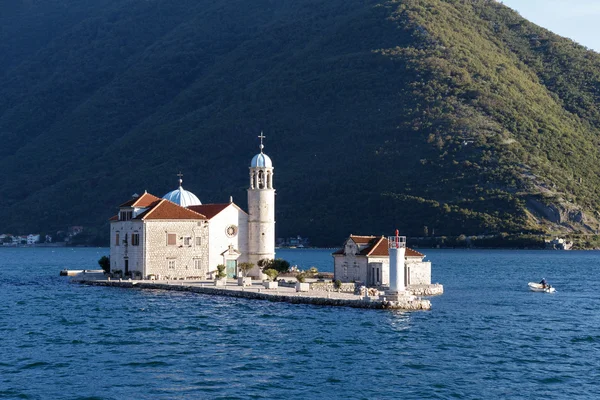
(365, 259)
(178, 237)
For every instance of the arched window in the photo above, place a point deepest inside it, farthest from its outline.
(261, 179)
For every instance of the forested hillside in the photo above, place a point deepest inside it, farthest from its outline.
(440, 117)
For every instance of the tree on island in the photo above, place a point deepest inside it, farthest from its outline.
(272, 268)
(280, 265)
(104, 263)
(245, 267)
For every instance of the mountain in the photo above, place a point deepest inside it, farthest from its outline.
(440, 117)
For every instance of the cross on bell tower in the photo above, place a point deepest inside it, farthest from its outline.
(261, 137)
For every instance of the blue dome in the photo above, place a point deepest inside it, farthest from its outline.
(261, 160)
(183, 198)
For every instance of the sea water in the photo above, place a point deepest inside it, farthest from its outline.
(486, 337)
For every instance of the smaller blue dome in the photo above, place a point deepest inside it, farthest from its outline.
(261, 160)
(182, 197)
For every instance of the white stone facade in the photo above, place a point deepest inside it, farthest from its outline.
(354, 268)
(228, 238)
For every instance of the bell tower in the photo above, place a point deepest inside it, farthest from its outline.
(261, 209)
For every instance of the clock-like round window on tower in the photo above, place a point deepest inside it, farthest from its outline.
(231, 231)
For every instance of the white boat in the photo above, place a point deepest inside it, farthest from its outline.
(538, 287)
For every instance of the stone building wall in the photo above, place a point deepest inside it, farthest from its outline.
(125, 249)
(350, 268)
(179, 260)
(420, 272)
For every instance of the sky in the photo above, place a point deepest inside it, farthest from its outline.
(576, 19)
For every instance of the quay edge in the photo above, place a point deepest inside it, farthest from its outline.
(258, 293)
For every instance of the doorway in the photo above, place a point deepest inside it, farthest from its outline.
(231, 268)
(374, 274)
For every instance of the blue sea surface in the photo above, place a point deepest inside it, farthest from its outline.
(486, 337)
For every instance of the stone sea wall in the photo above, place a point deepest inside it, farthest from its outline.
(416, 290)
(330, 287)
(408, 305)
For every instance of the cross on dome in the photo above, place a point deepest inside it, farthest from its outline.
(261, 137)
(180, 175)
(261, 160)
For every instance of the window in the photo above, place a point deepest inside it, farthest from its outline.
(198, 241)
(187, 241)
(117, 239)
(135, 239)
(171, 239)
(171, 264)
(231, 231)
(197, 263)
(125, 215)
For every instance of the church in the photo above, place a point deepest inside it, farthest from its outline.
(178, 237)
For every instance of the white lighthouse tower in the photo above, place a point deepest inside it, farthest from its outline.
(396, 250)
(261, 209)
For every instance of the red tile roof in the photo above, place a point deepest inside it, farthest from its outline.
(143, 201)
(114, 218)
(209, 210)
(362, 239)
(165, 209)
(378, 247)
(413, 253)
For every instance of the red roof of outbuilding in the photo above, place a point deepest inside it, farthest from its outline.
(362, 239)
(378, 247)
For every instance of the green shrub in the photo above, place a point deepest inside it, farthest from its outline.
(221, 271)
(271, 273)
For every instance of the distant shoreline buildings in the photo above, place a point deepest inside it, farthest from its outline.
(293, 242)
(60, 238)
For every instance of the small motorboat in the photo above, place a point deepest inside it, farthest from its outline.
(538, 287)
